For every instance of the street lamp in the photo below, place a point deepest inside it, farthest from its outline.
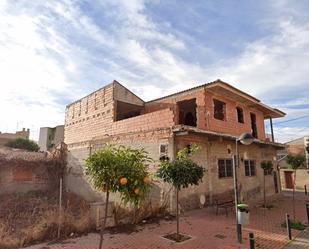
(245, 139)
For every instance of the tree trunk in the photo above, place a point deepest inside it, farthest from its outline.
(294, 195)
(177, 214)
(264, 191)
(105, 218)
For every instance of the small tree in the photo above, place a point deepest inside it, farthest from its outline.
(23, 143)
(295, 162)
(119, 169)
(181, 173)
(266, 166)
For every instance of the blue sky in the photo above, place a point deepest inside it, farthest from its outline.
(54, 52)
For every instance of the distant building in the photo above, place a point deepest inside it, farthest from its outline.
(295, 147)
(6, 137)
(50, 137)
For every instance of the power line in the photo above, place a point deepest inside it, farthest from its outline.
(290, 120)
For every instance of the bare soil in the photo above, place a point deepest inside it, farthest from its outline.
(180, 238)
(33, 217)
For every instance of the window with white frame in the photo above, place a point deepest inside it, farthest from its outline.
(225, 168)
(250, 168)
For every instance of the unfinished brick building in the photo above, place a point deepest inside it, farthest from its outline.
(212, 115)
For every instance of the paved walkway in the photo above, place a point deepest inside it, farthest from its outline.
(207, 230)
(301, 242)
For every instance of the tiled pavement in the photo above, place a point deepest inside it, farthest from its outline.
(208, 231)
(301, 242)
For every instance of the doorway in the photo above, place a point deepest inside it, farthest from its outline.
(187, 112)
(288, 177)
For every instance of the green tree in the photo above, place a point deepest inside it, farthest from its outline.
(119, 169)
(23, 143)
(266, 166)
(295, 162)
(181, 173)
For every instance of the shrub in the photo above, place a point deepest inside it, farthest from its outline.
(23, 143)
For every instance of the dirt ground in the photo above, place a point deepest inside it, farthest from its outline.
(33, 217)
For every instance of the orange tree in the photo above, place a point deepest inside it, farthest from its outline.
(266, 166)
(181, 173)
(295, 162)
(119, 169)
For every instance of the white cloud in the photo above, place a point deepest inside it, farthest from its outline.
(51, 49)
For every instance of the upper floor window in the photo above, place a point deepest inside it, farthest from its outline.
(219, 110)
(253, 125)
(250, 168)
(225, 168)
(240, 115)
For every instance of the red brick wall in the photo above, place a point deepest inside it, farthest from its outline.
(15, 178)
(85, 123)
(205, 112)
(171, 102)
(231, 125)
(82, 123)
(150, 121)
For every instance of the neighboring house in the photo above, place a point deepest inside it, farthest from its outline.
(212, 116)
(50, 137)
(6, 137)
(294, 147)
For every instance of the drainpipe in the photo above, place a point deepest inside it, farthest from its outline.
(271, 128)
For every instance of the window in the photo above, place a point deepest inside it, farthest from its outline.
(253, 125)
(163, 148)
(249, 168)
(163, 152)
(219, 110)
(225, 168)
(187, 112)
(240, 115)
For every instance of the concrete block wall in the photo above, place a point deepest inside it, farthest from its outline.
(78, 182)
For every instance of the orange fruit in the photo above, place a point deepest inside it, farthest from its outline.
(123, 181)
(136, 191)
(146, 179)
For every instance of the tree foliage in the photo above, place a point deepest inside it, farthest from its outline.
(266, 165)
(295, 161)
(120, 169)
(181, 172)
(23, 143)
